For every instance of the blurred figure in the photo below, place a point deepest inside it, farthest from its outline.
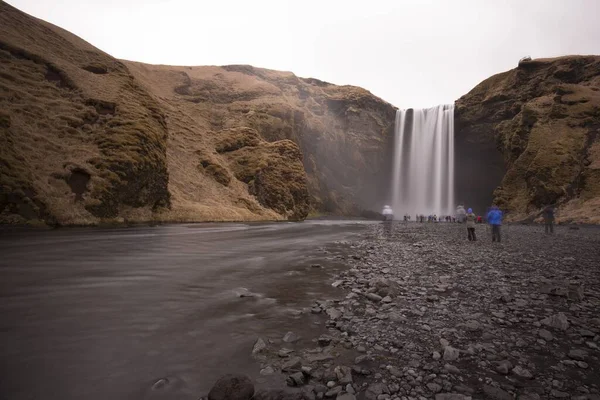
(388, 218)
(494, 218)
(479, 219)
(548, 214)
(471, 218)
(460, 213)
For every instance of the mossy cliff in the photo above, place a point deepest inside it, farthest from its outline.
(86, 138)
(533, 135)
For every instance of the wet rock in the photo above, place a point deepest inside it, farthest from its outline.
(324, 340)
(522, 372)
(284, 353)
(545, 334)
(374, 390)
(313, 358)
(504, 367)
(267, 371)
(559, 395)
(434, 387)
(473, 325)
(232, 387)
(344, 375)
(451, 369)
(373, 297)
(259, 346)
(558, 321)
(451, 396)
(451, 354)
(578, 354)
(291, 337)
(295, 379)
(496, 393)
(333, 392)
(294, 364)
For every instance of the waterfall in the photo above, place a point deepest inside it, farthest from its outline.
(423, 175)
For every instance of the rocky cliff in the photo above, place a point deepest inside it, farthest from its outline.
(530, 137)
(86, 138)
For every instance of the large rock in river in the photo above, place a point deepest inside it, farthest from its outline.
(232, 387)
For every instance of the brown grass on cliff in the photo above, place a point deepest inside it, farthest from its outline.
(545, 118)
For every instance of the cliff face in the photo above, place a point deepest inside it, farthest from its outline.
(534, 130)
(342, 132)
(85, 137)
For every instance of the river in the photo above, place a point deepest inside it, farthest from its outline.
(90, 313)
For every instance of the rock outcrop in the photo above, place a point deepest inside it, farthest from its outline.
(86, 138)
(530, 135)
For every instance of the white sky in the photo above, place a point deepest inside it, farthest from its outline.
(412, 53)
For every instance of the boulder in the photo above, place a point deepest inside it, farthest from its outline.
(232, 387)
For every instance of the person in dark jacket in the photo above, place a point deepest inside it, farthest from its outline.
(494, 218)
(548, 215)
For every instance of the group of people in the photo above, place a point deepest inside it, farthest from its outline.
(494, 218)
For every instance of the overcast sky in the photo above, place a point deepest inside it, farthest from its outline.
(412, 53)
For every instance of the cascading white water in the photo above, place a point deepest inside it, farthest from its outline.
(423, 175)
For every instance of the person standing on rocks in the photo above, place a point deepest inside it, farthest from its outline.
(548, 215)
(471, 218)
(494, 218)
(388, 217)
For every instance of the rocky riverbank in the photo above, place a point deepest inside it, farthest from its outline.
(425, 314)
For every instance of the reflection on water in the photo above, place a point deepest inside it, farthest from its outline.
(108, 313)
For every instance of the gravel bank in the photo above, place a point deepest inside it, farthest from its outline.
(425, 314)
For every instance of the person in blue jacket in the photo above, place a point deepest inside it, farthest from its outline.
(494, 218)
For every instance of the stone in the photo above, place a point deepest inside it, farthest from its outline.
(545, 334)
(333, 314)
(316, 266)
(522, 372)
(559, 395)
(451, 369)
(267, 371)
(473, 325)
(386, 299)
(295, 379)
(496, 393)
(312, 358)
(232, 387)
(436, 355)
(324, 340)
(434, 387)
(350, 389)
(283, 353)
(558, 321)
(346, 396)
(503, 367)
(259, 346)
(294, 364)
(450, 353)
(291, 337)
(333, 392)
(343, 374)
(576, 354)
(373, 297)
(337, 283)
(374, 390)
(451, 396)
